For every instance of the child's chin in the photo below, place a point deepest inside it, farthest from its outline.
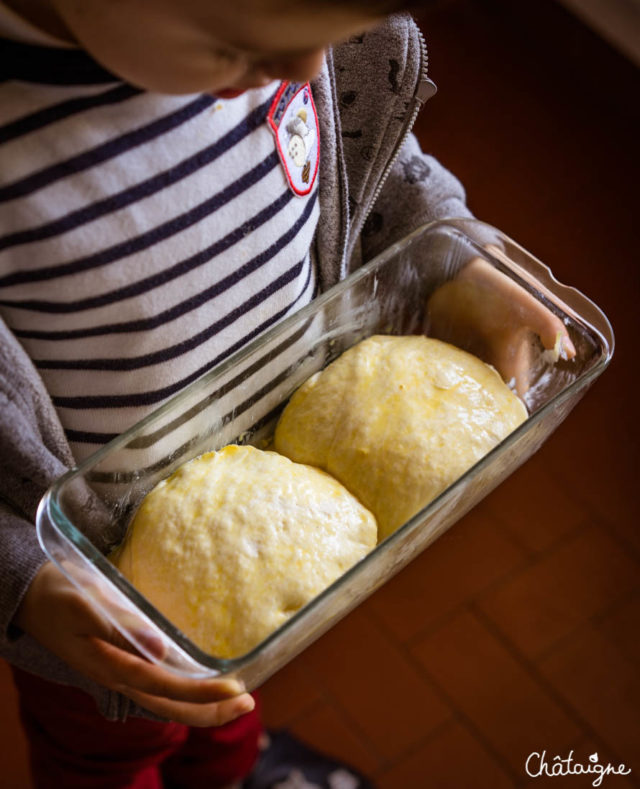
(230, 93)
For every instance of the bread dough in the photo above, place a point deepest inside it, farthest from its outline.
(236, 541)
(397, 420)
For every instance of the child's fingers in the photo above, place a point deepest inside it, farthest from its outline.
(212, 714)
(519, 307)
(551, 330)
(125, 671)
(55, 614)
(96, 595)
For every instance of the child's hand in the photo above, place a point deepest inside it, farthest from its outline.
(60, 618)
(488, 314)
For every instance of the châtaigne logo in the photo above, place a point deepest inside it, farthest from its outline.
(539, 765)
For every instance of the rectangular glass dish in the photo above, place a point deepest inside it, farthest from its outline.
(85, 514)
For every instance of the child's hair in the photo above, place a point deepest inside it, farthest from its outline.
(380, 6)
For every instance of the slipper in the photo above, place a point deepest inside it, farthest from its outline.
(287, 763)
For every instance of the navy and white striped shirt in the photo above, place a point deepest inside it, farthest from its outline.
(143, 237)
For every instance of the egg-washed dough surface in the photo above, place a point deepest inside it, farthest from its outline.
(236, 541)
(397, 420)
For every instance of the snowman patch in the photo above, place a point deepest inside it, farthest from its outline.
(294, 122)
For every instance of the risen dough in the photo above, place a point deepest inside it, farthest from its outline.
(236, 541)
(397, 420)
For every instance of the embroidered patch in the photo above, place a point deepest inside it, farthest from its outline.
(294, 122)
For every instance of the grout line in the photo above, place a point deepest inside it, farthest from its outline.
(597, 619)
(461, 716)
(599, 518)
(563, 542)
(593, 620)
(410, 642)
(328, 701)
(313, 707)
(472, 605)
(532, 559)
(306, 710)
(342, 710)
(440, 729)
(627, 546)
(537, 553)
(527, 562)
(534, 672)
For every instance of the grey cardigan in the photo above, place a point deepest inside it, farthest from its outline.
(376, 186)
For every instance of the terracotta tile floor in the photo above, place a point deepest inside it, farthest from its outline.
(518, 631)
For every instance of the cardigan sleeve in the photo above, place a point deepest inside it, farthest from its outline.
(418, 190)
(33, 453)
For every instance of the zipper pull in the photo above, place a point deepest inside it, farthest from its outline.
(427, 88)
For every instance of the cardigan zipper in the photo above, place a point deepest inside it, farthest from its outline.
(424, 90)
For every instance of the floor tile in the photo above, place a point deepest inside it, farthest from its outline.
(513, 711)
(598, 681)
(598, 457)
(579, 579)
(621, 626)
(453, 759)
(287, 695)
(326, 728)
(473, 554)
(534, 508)
(13, 761)
(375, 686)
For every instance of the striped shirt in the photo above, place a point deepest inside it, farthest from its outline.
(143, 238)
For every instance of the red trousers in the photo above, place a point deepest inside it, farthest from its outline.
(73, 746)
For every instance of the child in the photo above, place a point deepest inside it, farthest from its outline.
(170, 187)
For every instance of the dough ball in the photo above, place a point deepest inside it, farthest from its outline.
(236, 541)
(397, 420)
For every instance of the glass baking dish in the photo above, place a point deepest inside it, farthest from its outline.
(85, 513)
